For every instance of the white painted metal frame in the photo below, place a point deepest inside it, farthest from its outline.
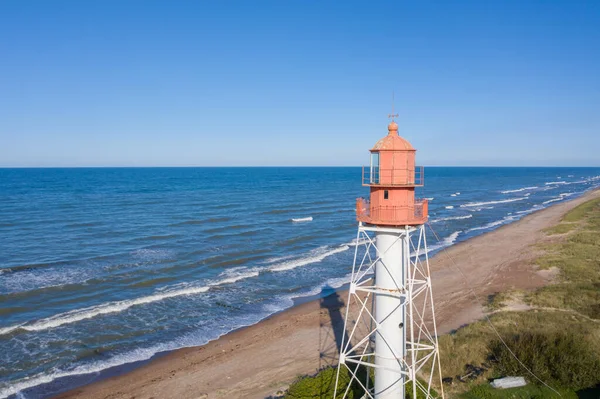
(421, 363)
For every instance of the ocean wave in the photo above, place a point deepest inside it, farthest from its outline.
(559, 198)
(355, 243)
(446, 242)
(535, 208)
(316, 256)
(473, 204)
(194, 338)
(449, 207)
(481, 208)
(555, 182)
(106, 308)
(236, 274)
(451, 218)
(151, 254)
(306, 219)
(73, 316)
(493, 224)
(330, 284)
(278, 259)
(429, 198)
(519, 190)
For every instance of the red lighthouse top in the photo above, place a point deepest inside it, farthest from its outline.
(392, 177)
(392, 142)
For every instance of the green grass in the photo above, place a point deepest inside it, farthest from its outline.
(582, 211)
(559, 358)
(485, 391)
(321, 386)
(561, 228)
(577, 257)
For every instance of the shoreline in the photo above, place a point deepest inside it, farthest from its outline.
(181, 370)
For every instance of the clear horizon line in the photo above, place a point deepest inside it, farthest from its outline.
(282, 166)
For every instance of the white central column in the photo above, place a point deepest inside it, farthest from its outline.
(390, 339)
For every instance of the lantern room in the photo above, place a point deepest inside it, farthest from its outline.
(392, 177)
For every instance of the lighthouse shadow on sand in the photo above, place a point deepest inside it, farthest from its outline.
(332, 337)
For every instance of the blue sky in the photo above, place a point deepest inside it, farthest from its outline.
(153, 83)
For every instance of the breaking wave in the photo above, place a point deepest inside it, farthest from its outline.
(229, 277)
(317, 256)
(446, 242)
(307, 219)
(555, 182)
(473, 204)
(493, 224)
(559, 198)
(519, 190)
(451, 218)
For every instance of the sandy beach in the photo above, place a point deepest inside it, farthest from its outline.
(260, 360)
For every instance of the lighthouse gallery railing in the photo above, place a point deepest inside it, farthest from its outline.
(372, 176)
(387, 214)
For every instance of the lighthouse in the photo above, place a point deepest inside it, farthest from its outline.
(390, 346)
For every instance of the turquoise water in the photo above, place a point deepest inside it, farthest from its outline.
(103, 267)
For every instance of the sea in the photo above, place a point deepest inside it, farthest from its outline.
(106, 267)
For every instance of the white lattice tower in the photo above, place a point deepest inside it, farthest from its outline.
(397, 344)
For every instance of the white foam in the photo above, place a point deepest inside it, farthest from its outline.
(470, 204)
(76, 315)
(559, 198)
(519, 190)
(9, 329)
(430, 198)
(307, 219)
(493, 224)
(106, 308)
(535, 207)
(140, 354)
(555, 182)
(316, 256)
(354, 243)
(446, 242)
(333, 283)
(453, 195)
(278, 259)
(449, 207)
(451, 218)
(236, 274)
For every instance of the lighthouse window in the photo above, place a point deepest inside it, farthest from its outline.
(374, 168)
(385, 194)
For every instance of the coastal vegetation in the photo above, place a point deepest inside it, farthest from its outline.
(553, 331)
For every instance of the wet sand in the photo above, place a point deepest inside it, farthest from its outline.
(258, 361)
